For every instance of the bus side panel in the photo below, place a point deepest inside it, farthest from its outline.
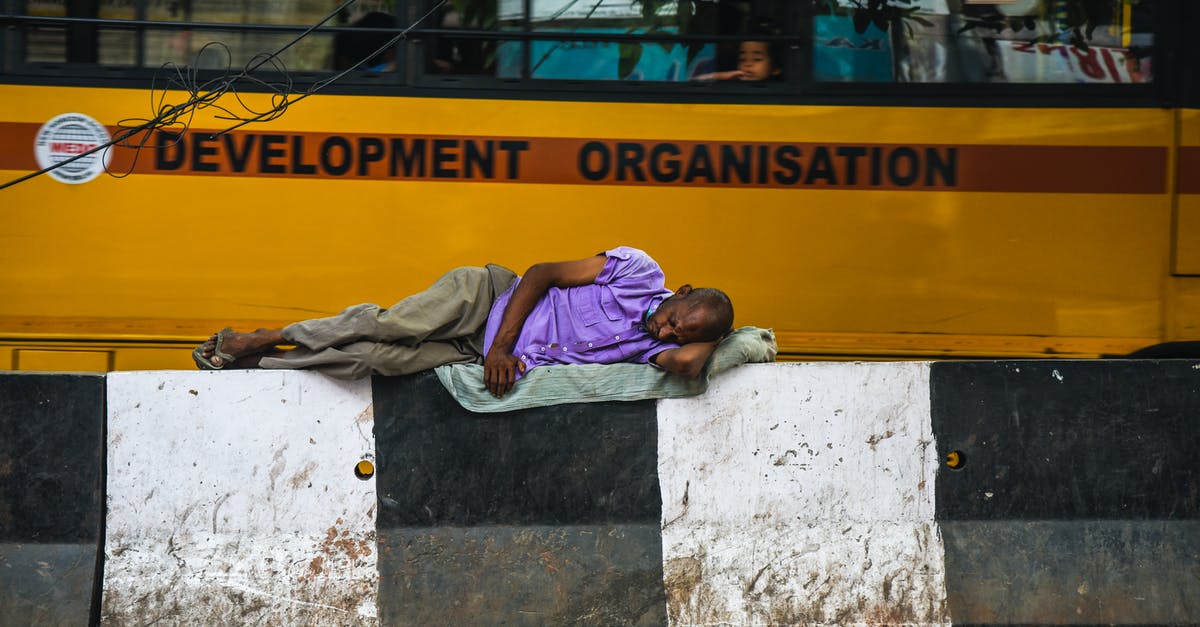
(1038, 223)
(1184, 308)
(1187, 185)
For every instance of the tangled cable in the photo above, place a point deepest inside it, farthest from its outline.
(176, 119)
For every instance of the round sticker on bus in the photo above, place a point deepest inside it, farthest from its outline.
(67, 136)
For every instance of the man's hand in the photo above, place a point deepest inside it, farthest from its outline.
(500, 371)
(687, 360)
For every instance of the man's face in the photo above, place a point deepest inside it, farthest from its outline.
(678, 321)
(754, 61)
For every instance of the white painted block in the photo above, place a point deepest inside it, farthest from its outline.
(232, 499)
(802, 493)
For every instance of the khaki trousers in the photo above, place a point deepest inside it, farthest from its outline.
(441, 325)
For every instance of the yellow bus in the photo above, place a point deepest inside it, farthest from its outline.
(924, 179)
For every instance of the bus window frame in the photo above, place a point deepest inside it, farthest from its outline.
(1169, 87)
(1185, 85)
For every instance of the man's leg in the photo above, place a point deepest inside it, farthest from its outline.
(456, 305)
(453, 311)
(358, 360)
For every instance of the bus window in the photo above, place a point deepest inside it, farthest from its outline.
(756, 29)
(685, 51)
(591, 59)
(1018, 41)
(851, 42)
(79, 43)
(217, 49)
(460, 55)
(368, 50)
(273, 25)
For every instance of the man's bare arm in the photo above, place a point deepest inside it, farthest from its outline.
(500, 365)
(687, 360)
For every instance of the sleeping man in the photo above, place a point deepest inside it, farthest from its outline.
(608, 308)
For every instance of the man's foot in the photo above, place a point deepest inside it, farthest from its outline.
(250, 362)
(234, 347)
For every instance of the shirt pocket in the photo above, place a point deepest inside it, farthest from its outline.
(585, 304)
(609, 305)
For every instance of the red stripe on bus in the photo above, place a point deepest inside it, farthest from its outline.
(605, 161)
(1189, 170)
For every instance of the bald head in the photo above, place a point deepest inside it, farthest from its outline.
(717, 308)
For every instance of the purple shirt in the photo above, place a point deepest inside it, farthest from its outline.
(601, 323)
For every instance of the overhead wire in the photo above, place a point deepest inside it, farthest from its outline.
(176, 119)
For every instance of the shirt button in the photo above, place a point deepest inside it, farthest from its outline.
(543, 349)
(589, 344)
(618, 337)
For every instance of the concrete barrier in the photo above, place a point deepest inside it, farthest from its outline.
(233, 499)
(798, 494)
(824, 493)
(1048, 492)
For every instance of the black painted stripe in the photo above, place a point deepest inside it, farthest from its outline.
(1106, 440)
(50, 453)
(1076, 500)
(439, 464)
(538, 517)
(51, 516)
(1124, 572)
(522, 575)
